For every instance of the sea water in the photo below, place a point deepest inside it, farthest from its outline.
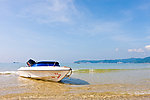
(6, 67)
(127, 78)
(111, 73)
(12, 67)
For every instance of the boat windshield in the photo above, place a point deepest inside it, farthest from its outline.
(44, 63)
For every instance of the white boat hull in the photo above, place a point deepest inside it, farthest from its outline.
(44, 73)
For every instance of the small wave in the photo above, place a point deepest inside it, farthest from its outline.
(97, 70)
(8, 72)
(142, 92)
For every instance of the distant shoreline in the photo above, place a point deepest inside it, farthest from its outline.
(111, 63)
(145, 60)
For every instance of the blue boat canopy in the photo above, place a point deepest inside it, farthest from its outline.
(32, 63)
(46, 63)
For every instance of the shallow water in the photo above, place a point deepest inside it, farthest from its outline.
(75, 66)
(132, 81)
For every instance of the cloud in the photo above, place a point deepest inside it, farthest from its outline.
(147, 47)
(136, 50)
(117, 49)
(65, 11)
(96, 28)
(122, 37)
(48, 11)
(145, 6)
(105, 27)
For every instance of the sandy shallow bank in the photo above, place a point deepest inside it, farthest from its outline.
(47, 91)
(115, 85)
(17, 88)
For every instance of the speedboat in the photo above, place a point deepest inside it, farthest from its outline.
(45, 70)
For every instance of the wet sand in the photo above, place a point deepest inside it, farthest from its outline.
(80, 86)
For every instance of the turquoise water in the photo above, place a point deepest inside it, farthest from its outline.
(106, 66)
(135, 81)
(74, 66)
(10, 66)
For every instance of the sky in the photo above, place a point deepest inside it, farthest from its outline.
(70, 30)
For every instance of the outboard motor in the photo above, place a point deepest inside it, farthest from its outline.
(31, 62)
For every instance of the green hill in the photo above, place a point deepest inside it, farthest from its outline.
(129, 60)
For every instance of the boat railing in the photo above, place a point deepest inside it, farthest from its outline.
(70, 72)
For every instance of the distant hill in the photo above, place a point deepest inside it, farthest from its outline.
(129, 60)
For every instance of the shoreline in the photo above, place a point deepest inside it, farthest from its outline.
(79, 86)
(39, 89)
(58, 91)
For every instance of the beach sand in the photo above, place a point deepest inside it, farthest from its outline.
(13, 87)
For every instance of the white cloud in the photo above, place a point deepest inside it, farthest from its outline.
(123, 38)
(144, 6)
(65, 11)
(117, 49)
(47, 11)
(147, 47)
(94, 28)
(105, 27)
(136, 50)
